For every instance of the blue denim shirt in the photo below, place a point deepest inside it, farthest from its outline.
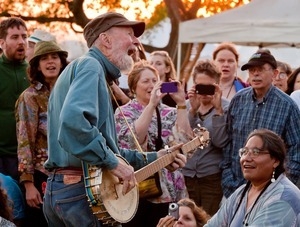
(80, 117)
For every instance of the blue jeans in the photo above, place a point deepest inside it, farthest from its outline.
(206, 191)
(67, 205)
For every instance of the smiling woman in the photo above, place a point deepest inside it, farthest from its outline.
(269, 197)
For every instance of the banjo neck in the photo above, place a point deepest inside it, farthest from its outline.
(158, 164)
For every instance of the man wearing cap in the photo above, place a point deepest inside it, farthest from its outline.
(37, 36)
(260, 106)
(81, 123)
(13, 81)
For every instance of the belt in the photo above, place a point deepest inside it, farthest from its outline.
(69, 171)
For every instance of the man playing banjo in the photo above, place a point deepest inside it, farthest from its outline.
(81, 124)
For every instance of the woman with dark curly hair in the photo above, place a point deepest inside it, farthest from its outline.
(31, 116)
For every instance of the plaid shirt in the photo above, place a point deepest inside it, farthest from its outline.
(277, 112)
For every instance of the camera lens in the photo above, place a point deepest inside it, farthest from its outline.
(173, 206)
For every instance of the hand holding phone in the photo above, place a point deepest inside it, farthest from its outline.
(169, 87)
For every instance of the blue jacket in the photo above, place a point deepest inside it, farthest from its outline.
(80, 117)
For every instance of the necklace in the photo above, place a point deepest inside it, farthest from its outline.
(202, 116)
(229, 90)
(246, 218)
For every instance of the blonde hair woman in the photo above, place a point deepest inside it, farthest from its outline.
(163, 63)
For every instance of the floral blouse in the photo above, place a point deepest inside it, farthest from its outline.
(172, 183)
(31, 118)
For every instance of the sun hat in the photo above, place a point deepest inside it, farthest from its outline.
(41, 35)
(46, 47)
(259, 59)
(107, 20)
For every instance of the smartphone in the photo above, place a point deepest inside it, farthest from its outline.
(174, 210)
(205, 89)
(169, 87)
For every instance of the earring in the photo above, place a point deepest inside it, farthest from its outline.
(273, 176)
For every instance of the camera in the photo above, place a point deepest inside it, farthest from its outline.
(169, 87)
(205, 89)
(174, 210)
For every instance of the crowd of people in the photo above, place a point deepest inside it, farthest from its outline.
(61, 120)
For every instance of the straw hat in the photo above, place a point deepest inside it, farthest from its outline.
(46, 47)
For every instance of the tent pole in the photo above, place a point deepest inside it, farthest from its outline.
(178, 60)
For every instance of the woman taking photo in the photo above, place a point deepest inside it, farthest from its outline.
(163, 63)
(189, 215)
(269, 198)
(31, 116)
(207, 108)
(153, 125)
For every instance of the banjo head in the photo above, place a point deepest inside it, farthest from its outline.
(121, 207)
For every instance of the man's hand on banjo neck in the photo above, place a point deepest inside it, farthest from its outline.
(126, 175)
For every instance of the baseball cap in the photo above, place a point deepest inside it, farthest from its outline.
(41, 35)
(107, 20)
(259, 59)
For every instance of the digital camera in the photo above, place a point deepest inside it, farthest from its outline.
(174, 210)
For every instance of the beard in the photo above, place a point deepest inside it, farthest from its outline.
(124, 63)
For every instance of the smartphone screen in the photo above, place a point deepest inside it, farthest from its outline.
(169, 87)
(205, 89)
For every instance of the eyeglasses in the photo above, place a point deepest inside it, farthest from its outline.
(282, 75)
(254, 152)
(259, 69)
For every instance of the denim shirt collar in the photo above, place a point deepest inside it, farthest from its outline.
(111, 71)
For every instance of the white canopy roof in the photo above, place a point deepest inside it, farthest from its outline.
(259, 23)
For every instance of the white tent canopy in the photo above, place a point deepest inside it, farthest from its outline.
(258, 23)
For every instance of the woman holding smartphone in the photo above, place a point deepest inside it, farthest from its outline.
(206, 108)
(163, 63)
(154, 125)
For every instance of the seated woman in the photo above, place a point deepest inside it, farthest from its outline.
(190, 215)
(152, 124)
(269, 198)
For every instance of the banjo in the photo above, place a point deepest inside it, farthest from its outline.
(104, 190)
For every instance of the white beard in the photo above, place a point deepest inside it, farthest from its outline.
(124, 63)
